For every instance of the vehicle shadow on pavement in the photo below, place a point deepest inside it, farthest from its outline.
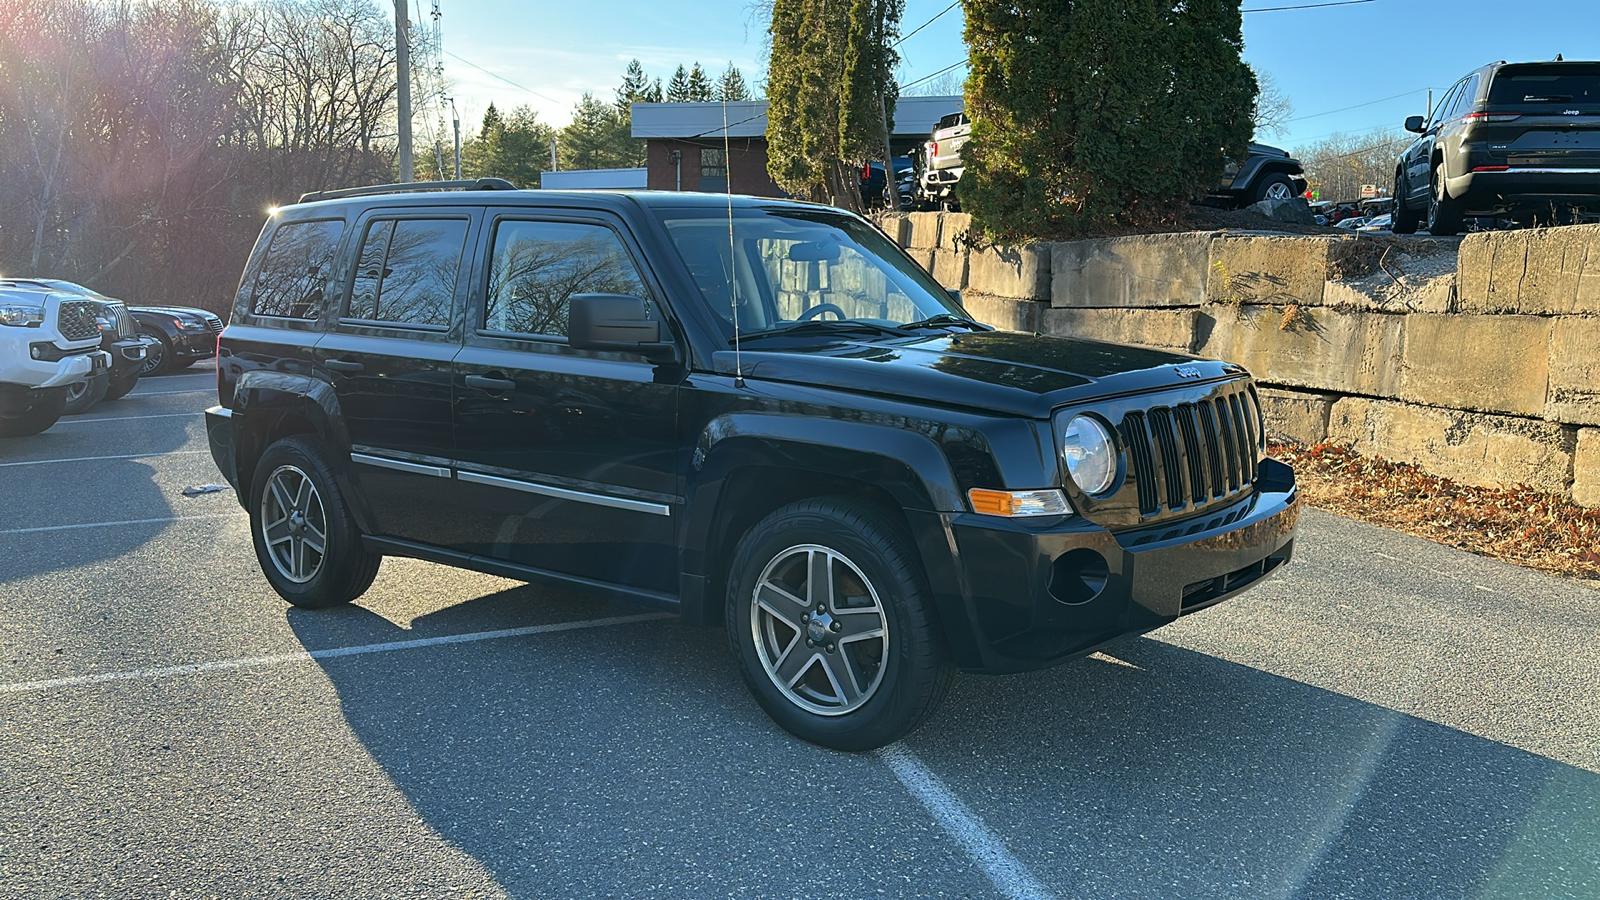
(629, 760)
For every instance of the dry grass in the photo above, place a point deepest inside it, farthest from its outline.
(1517, 525)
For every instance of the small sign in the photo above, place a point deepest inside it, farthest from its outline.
(1369, 190)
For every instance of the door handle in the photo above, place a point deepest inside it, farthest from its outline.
(490, 383)
(344, 365)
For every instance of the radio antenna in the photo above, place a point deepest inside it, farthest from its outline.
(733, 300)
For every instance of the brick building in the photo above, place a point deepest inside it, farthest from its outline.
(685, 149)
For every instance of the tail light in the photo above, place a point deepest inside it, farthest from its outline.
(1490, 117)
(935, 148)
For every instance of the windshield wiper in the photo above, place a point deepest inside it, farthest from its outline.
(823, 326)
(947, 319)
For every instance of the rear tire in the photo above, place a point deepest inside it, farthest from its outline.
(1276, 186)
(1444, 214)
(307, 544)
(36, 418)
(83, 395)
(852, 658)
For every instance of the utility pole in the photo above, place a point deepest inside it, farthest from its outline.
(554, 166)
(402, 57)
(455, 119)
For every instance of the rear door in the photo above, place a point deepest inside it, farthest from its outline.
(388, 355)
(567, 459)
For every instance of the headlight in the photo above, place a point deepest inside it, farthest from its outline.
(1090, 455)
(21, 316)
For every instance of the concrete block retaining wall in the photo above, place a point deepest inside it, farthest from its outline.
(1479, 363)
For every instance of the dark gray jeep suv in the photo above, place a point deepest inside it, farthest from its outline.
(1510, 139)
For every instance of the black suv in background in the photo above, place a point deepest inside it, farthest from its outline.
(1266, 173)
(1519, 140)
(766, 415)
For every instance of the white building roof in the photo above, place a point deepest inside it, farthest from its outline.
(913, 117)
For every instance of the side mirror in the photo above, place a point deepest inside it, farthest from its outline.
(616, 322)
(954, 295)
(1414, 124)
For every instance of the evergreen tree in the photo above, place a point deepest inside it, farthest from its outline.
(678, 87)
(636, 87)
(731, 86)
(1090, 112)
(514, 147)
(597, 138)
(700, 87)
(831, 93)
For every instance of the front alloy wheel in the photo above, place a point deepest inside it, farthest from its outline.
(819, 629)
(294, 526)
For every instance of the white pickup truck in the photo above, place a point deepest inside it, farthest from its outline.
(48, 341)
(942, 166)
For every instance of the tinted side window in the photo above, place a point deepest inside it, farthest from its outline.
(537, 266)
(290, 283)
(1442, 111)
(1464, 99)
(406, 273)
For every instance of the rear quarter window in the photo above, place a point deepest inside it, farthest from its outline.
(293, 276)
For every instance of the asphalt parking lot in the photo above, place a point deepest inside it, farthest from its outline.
(1386, 718)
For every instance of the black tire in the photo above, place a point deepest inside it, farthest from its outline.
(1405, 219)
(883, 638)
(1444, 214)
(157, 356)
(280, 503)
(83, 395)
(1276, 186)
(119, 387)
(36, 418)
(178, 365)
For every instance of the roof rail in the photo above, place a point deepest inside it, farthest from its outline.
(482, 184)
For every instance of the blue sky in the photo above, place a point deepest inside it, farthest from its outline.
(1379, 56)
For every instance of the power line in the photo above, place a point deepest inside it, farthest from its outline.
(1306, 6)
(501, 77)
(1357, 106)
(933, 76)
(904, 38)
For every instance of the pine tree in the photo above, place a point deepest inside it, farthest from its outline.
(830, 92)
(514, 147)
(678, 87)
(636, 87)
(700, 87)
(1090, 112)
(597, 138)
(731, 86)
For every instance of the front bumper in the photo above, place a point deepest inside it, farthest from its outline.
(193, 344)
(128, 355)
(42, 373)
(1033, 595)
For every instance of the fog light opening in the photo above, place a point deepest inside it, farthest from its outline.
(1078, 576)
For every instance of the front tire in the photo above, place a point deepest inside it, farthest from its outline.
(119, 387)
(1405, 219)
(306, 542)
(156, 355)
(83, 395)
(832, 622)
(1276, 186)
(36, 418)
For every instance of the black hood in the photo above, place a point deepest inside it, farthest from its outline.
(1000, 371)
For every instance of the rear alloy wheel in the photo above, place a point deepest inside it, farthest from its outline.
(307, 545)
(832, 623)
(1276, 186)
(83, 395)
(1444, 214)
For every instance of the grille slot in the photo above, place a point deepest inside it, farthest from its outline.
(1188, 455)
(214, 323)
(75, 318)
(124, 322)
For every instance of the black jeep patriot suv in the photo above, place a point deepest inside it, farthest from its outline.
(751, 411)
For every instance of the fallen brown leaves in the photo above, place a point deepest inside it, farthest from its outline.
(1518, 525)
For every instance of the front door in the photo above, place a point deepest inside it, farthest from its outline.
(566, 458)
(389, 355)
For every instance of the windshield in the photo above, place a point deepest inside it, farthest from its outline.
(784, 265)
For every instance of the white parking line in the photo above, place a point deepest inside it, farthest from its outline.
(42, 462)
(232, 515)
(168, 393)
(1005, 871)
(80, 421)
(247, 662)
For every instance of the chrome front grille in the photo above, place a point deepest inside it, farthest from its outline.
(1189, 455)
(124, 322)
(75, 318)
(214, 323)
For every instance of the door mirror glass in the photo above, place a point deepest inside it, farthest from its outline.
(1414, 124)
